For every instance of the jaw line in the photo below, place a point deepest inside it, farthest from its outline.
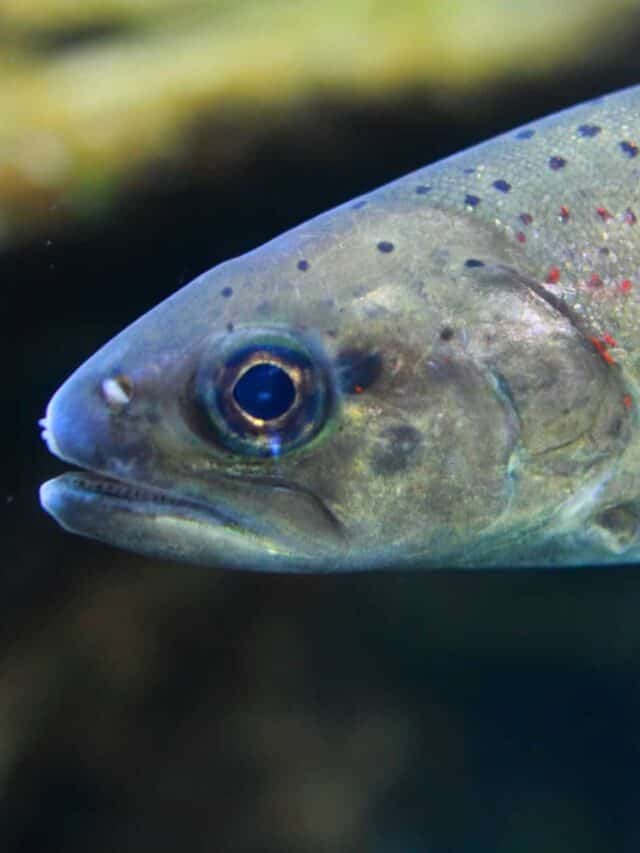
(159, 525)
(121, 495)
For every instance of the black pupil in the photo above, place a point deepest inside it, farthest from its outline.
(265, 391)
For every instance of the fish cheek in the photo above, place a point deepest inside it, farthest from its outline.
(472, 431)
(395, 449)
(434, 469)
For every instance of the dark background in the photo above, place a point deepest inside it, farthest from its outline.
(151, 706)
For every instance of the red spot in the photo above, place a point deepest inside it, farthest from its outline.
(521, 237)
(358, 389)
(603, 213)
(609, 340)
(553, 276)
(628, 402)
(595, 280)
(526, 218)
(564, 213)
(603, 352)
(625, 286)
(629, 217)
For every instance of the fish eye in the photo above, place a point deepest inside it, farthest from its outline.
(265, 391)
(263, 394)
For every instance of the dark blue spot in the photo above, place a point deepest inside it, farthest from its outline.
(395, 449)
(227, 292)
(265, 391)
(359, 204)
(471, 200)
(357, 370)
(421, 189)
(473, 262)
(470, 170)
(589, 130)
(502, 186)
(556, 163)
(385, 246)
(525, 134)
(229, 327)
(303, 265)
(629, 148)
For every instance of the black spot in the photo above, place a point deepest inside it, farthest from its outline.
(629, 148)
(471, 200)
(229, 327)
(615, 427)
(421, 189)
(227, 292)
(359, 204)
(589, 130)
(604, 250)
(526, 218)
(446, 333)
(622, 521)
(395, 448)
(556, 163)
(357, 370)
(502, 186)
(473, 262)
(385, 246)
(303, 265)
(525, 134)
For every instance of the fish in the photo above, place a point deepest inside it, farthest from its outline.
(440, 374)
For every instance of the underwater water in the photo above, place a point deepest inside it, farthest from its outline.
(151, 706)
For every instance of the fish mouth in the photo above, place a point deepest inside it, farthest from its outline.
(263, 523)
(159, 523)
(88, 501)
(162, 525)
(79, 486)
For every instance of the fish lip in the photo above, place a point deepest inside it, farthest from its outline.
(125, 496)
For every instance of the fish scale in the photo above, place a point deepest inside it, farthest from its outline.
(594, 246)
(442, 373)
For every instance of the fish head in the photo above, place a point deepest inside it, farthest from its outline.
(386, 385)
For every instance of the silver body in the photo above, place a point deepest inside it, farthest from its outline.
(472, 330)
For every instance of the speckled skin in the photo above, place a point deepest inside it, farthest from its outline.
(496, 291)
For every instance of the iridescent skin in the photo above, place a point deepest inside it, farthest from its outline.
(496, 292)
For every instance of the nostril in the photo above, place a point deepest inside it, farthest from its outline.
(117, 391)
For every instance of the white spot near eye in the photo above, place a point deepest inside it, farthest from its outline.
(117, 391)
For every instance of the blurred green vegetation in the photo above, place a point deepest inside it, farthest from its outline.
(95, 92)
